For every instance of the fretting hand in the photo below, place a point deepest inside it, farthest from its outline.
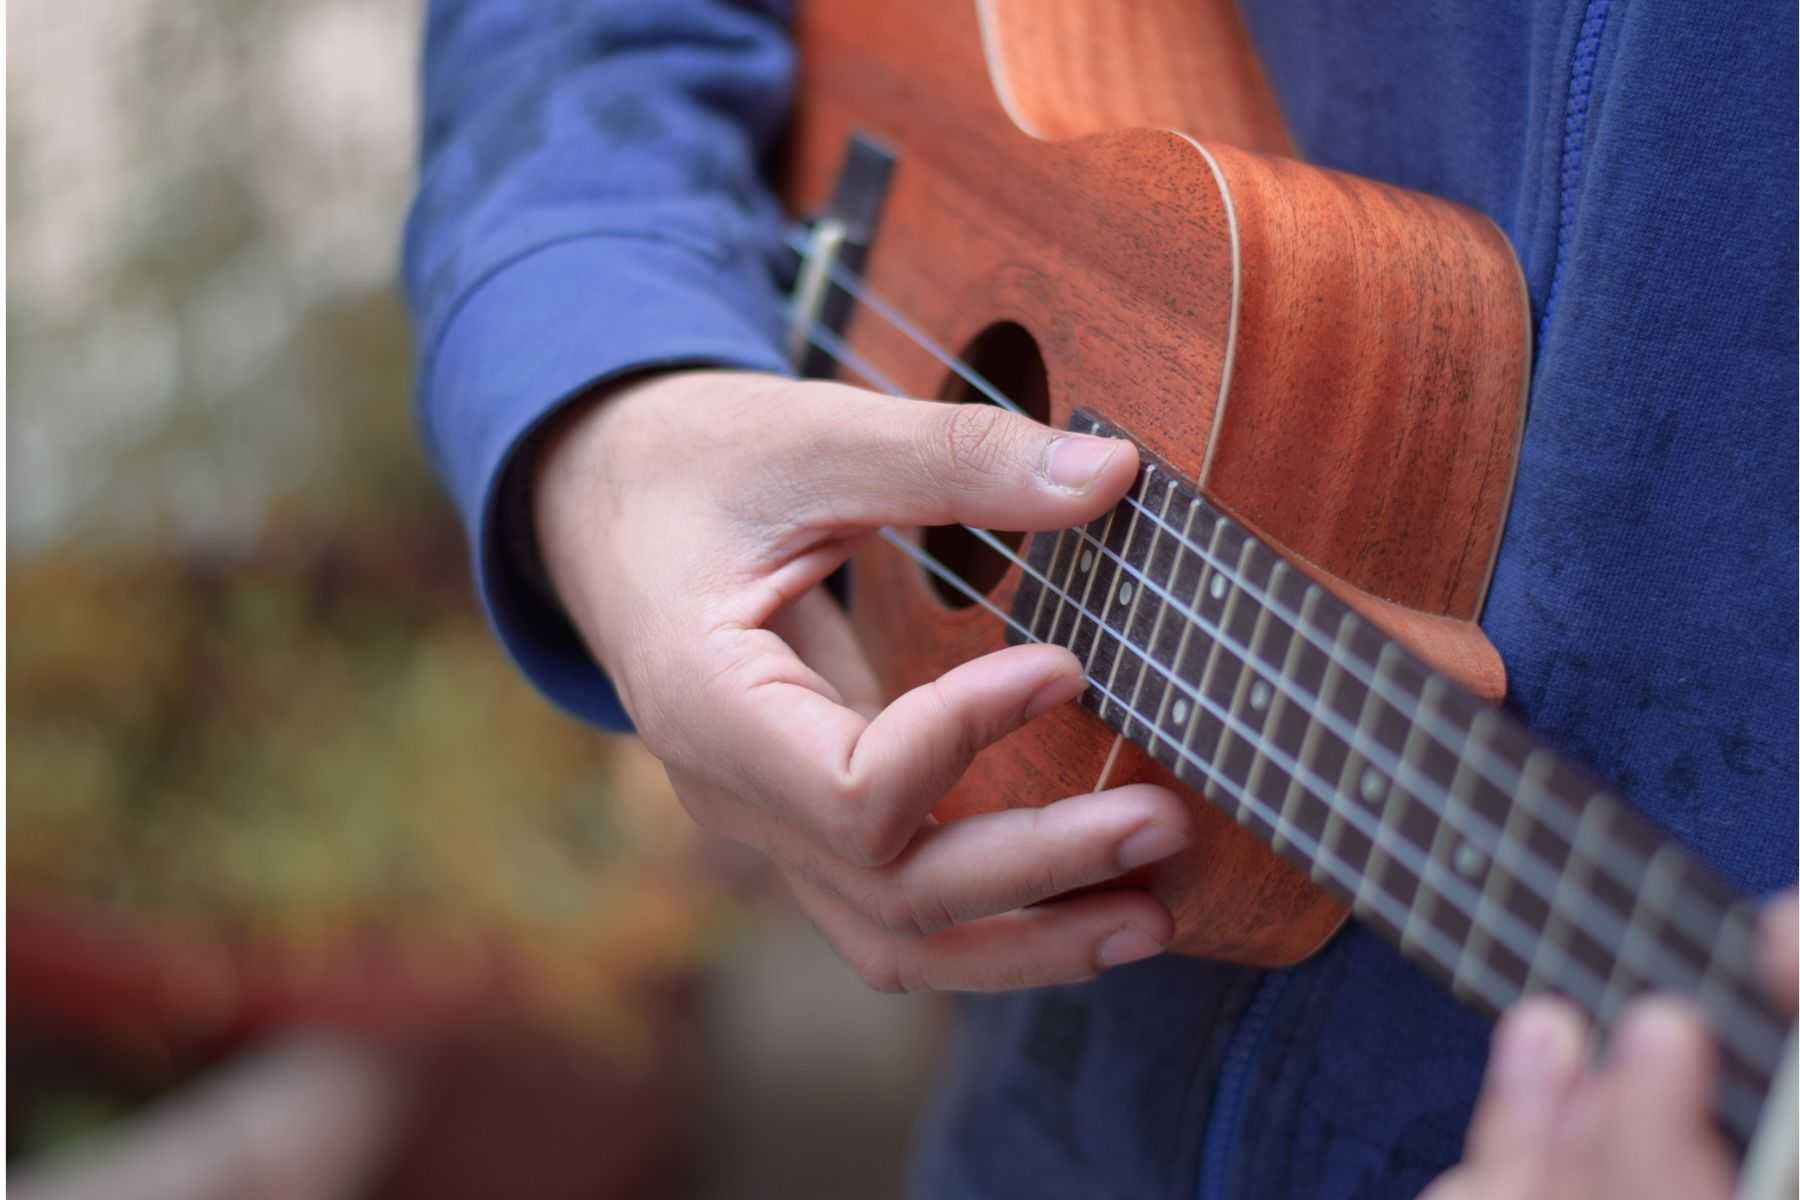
(1636, 1127)
(687, 521)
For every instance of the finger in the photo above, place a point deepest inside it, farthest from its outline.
(815, 626)
(913, 462)
(984, 865)
(1643, 1126)
(863, 788)
(1536, 1058)
(1780, 951)
(993, 863)
(1064, 942)
(1460, 1184)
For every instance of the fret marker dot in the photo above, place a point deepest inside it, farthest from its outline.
(1259, 695)
(1180, 710)
(1087, 560)
(1125, 593)
(1372, 784)
(1469, 860)
(1217, 587)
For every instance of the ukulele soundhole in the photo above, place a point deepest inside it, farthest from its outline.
(1007, 357)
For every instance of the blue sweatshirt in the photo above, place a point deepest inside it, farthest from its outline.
(592, 203)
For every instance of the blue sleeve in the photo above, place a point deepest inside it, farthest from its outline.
(590, 204)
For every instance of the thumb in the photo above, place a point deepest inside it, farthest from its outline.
(916, 462)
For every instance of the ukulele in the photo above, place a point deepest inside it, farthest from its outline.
(1327, 379)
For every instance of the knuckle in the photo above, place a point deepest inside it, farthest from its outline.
(967, 733)
(867, 836)
(880, 972)
(973, 441)
(893, 911)
(908, 911)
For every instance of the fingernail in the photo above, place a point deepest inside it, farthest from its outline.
(1060, 690)
(1537, 1051)
(1074, 461)
(1127, 945)
(1149, 844)
(1652, 1032)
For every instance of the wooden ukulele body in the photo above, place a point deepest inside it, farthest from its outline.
(1098, 205)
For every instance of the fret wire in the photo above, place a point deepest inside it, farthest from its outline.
(1137, 594)
(1092, 573)
(826, 341)
(1655, 879)
(1395, 801)
(1226, 713)
(1212, 646)
(1187, 627)
(1106, 592)
(1392, 795)
(1571, 874)
(1079, 557)
(1498, 884)
(1258, 637)
(1498, 1000)
(1162, 610)
(1423, 904)
(1736, 942)
(1333, 819)
(1037, 609)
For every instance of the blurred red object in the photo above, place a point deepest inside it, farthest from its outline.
(493, 1105)
(80, 969)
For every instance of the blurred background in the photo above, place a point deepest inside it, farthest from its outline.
(307, 894)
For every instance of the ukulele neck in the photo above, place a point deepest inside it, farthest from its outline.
(1475, 850)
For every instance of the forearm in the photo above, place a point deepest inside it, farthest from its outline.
(590, 206)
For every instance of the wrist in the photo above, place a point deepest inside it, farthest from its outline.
(577, 483)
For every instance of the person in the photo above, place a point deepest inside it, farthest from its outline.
(594, 262)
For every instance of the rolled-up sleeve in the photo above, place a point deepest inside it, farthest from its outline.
(591, 204)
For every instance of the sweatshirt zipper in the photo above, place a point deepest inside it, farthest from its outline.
(1219, 1144)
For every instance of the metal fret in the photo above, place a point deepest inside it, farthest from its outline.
(1260, 693)
(1425, 897)
(1223, 659)
(1045, 587)
(1192, 721)
(1570, 886)
(1132, 596)
(1656, 887)
(1295, 795)
(1162, 611)
(1478, 946)
(1093, 567)
(1364, 782)
(1318, 741)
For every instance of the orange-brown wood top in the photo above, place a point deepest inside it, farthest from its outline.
(1340, 363)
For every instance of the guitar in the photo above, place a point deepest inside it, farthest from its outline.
(1327, 377)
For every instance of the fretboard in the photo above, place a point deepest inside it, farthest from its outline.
(1496, 864)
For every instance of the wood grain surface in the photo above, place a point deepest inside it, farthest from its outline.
(1340, 363)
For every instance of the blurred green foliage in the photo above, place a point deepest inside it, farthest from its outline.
(249, 693)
